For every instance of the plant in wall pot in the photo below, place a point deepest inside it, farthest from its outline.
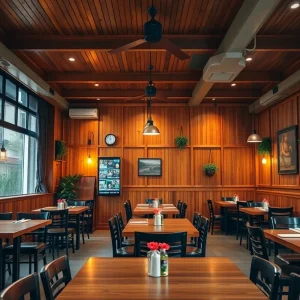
(61, 150)
(66, 189)
(264, 148)
(210, 169)
(181, 141)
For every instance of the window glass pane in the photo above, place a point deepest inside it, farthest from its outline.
(1, 84)
(0, 109)
(17, 173)
(22, 118)
(32, 123)
(32, 103)
(10, 90)
(9, 113)
(22, 97)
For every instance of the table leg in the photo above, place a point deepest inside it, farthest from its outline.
(1, 268)
(250, 220)
(16, 259)
(78, 231)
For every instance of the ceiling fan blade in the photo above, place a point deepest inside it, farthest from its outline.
(135, 98)
(169, 46)
(127, 46)
(160, 98)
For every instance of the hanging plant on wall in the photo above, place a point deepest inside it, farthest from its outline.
(210, 169)
(181, 141)
(61, 150)
(264, 148)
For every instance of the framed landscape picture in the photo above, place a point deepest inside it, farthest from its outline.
(149, 166)
(287, 147)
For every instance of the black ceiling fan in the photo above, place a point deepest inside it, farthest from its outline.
(153, 34)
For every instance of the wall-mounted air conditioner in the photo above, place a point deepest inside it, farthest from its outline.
(83, 113)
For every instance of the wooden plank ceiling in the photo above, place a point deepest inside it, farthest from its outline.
(46, 33)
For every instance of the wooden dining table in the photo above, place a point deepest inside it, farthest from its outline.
(292, 243)
(189, 279)
(226, 205)
(13, 231)
(76, 211)
(253, 212)
(169, 226)
(143, 209)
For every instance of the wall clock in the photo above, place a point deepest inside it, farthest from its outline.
(110, 139)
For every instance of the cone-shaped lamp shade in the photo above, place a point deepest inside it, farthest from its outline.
(3, 154)
(254, 138)
(150, 129)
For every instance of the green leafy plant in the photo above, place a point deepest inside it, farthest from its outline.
(181, 141)
(264, 148)
(210, 169)
(61, 150)
(66, 189)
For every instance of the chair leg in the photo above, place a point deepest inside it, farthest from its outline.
(58, 239)
(241, 237)
(52, 242)
(8, 268)
(237, 230)
(73, 244)
(212, 226)
(35, 262)
(82, 234)
(269, 245)
(45, 258)
(88, 227)
(30, 262)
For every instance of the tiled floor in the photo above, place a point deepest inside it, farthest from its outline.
(99, 244)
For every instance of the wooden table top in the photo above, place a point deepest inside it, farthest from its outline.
(170, 226)
(10, 230)
(253, 211)
(291, 243)
(145, 210)
(72, 210)
(189, 278)
(228, 204)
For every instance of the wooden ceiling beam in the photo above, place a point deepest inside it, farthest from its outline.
(123, 94)
(197, 43)
(167, 77)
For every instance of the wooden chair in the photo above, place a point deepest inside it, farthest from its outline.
(35, 248)
(227, 198)
(259, 247)
(200, 250)
(22, 287)
(241, 220)
(196, 222)
(59, 229)
(266, 276)
(212, 217)
(177, 242)
(6, 216)
(55, 277)
(121, 226)
(116, 240)
(179, 207)
(294, 290)
(128, 210)
(183, 211)
(277, 212)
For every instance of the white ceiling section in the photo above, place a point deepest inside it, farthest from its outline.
(250, 18)
(29, 78)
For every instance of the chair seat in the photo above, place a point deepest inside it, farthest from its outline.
(290, 259)
(125, 251)
(59, 231)
(193, 251)
(26, 247)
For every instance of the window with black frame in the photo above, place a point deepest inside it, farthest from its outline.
(18, 137)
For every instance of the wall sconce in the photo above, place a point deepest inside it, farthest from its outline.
(264, 161)
(3, 156)
(90, 142)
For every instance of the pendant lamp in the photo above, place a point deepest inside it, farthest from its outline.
(254, 138)
(149, 128)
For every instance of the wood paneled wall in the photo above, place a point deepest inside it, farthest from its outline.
(281, 190)
(217, 131)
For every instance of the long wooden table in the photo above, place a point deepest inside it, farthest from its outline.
(77, 212)
(189, 279)
(169, 225)
(291, 243)
(148, 210)
(13, 232)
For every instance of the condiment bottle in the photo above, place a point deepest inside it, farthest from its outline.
(164, 263)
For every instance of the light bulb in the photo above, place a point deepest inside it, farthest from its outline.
(264, 161)
(89, 160)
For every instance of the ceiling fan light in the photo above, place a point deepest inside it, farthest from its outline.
(254, 138)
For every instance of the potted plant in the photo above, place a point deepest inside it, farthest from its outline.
(264, 148)
(210, 169)
(66, 189)
(61, 150)
(181, 141)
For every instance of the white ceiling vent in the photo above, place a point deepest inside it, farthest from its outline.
(83, 113)
(224, 67)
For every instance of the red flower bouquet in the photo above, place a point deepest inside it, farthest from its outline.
(153, 246)
(164, 246)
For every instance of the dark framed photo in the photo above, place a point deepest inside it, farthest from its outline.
(287, 150)
(149, 166)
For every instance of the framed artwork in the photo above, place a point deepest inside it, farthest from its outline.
(287, 150)
(149, 166)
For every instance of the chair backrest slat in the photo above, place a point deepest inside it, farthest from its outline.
(285, 222)
(210, 208)
(255, 204)
(227, 198)
(203, 231)
(6, 216)
(60, 218)
(258, 241)
(116, 239)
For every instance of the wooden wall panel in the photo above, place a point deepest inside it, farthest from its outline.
(238, 166)
(202, 157)
(110, 121)
(176, 166)
(206, 126)
(237, 125)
